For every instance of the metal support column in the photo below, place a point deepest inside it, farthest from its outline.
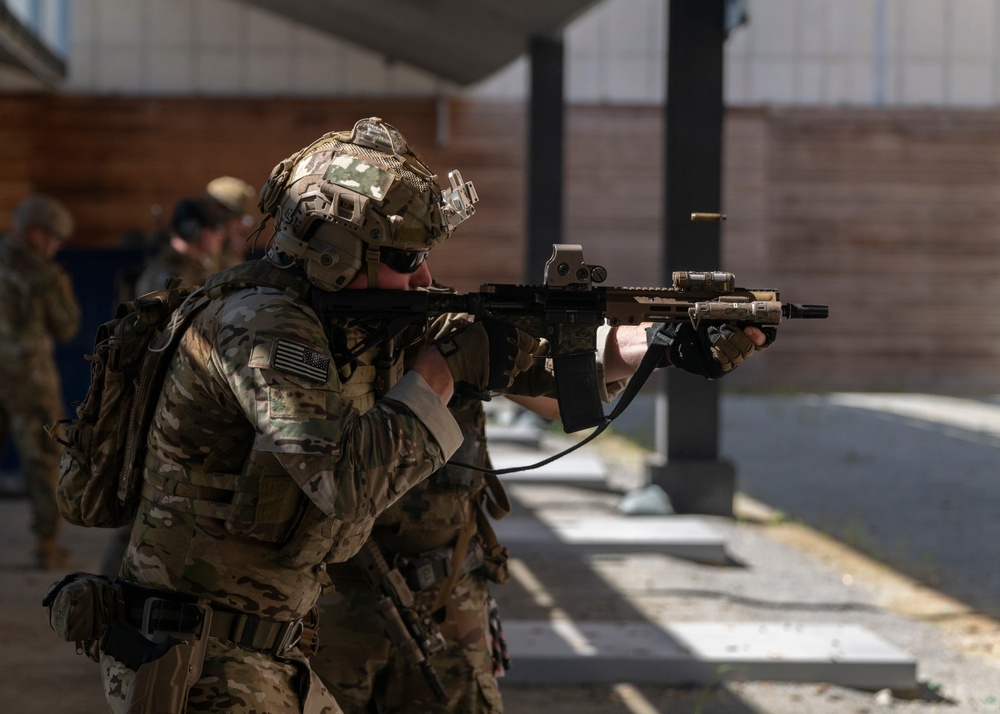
(545, 155)
(691, 473)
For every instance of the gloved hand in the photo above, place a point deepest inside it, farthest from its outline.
(711, 351)
(488, 354)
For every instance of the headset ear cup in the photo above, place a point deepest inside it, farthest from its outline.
(332, 262)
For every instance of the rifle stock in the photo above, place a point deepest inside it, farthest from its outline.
(568, 309)
(408, 625)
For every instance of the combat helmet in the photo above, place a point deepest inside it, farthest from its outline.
(236, 195)
(353, 199)
(45, 212)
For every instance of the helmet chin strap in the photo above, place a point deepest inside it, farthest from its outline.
(371, 258)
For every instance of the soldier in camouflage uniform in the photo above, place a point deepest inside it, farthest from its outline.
(239, 200)
(37, 308)
(273, 449)
(278, 439)
(194, 248)
(356, 659)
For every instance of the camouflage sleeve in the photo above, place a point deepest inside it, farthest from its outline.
(423, 402)
(61, 309)
(352, 465)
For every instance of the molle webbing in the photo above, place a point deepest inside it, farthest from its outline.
(359, 388)
(258, 506)
(211, 498)
(371, 373)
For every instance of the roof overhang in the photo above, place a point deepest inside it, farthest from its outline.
(462, 41)
(25, 57)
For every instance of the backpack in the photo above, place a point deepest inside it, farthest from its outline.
(100, 472)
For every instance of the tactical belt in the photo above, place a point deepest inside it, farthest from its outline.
(151, 611)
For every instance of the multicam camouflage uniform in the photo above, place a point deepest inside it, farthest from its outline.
(37, 308)
(355, 658)
(262, 467)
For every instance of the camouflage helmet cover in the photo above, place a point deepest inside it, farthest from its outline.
(43, 212)
(348, 193)
(235, 194)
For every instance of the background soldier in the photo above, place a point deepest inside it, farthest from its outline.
(37, 308)
(193, 249)
(357, 660)
(239, 199)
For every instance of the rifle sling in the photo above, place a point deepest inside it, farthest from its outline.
(650, 361)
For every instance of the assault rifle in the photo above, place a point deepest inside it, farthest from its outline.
(567, 311)
(409, 626)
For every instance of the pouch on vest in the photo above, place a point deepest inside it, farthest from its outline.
(81, 606)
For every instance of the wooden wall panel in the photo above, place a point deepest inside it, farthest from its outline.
(892, 217)
(16, 148)
(486, 143)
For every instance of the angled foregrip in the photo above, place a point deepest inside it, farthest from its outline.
(577, 390)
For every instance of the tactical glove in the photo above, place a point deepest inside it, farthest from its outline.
(710, 351)
(487, 355)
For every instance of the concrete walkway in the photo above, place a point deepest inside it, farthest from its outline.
(847, 516)
(853, 514)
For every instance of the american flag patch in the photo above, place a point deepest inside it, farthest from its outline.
(301, 360)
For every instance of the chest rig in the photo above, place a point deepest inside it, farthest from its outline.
(367, 366)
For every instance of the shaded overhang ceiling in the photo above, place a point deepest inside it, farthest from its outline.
(462, 41)
(22, 53)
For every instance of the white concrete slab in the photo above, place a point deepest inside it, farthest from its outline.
(521, 434)
(693, 653)
(574, 469)
(682, 536)
(965, 414)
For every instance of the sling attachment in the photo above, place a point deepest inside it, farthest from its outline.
(650, 361)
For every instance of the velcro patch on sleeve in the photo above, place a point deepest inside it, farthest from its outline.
(300, 360)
